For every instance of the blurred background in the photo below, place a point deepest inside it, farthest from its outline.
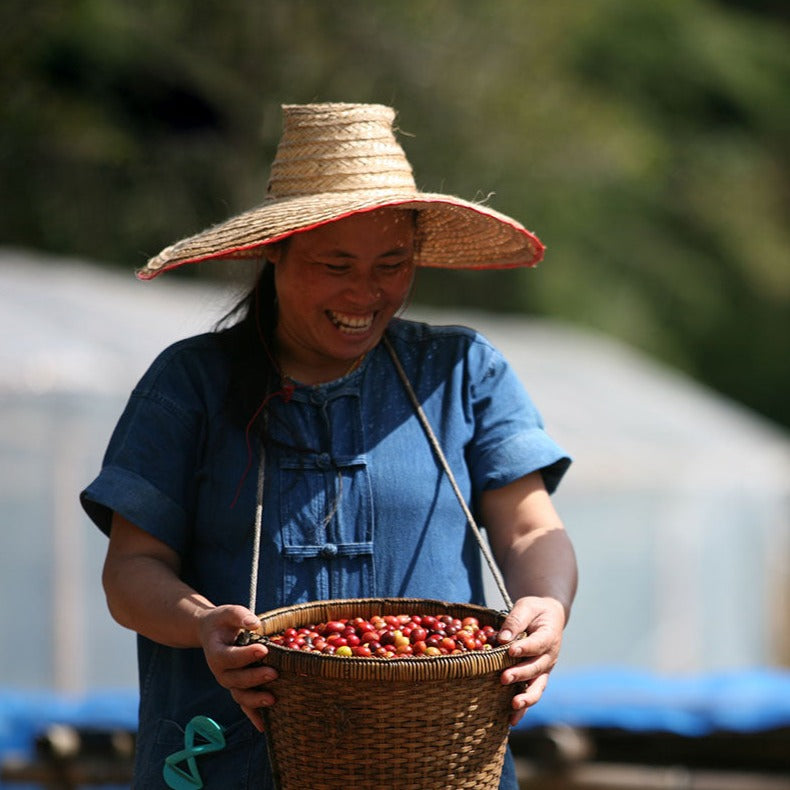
(646, 143)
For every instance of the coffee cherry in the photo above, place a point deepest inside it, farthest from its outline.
(390, 636)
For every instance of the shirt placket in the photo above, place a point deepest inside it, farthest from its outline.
(328, 531)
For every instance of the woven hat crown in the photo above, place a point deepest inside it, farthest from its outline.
(328, 148)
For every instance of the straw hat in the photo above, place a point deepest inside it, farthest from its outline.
(334, 160)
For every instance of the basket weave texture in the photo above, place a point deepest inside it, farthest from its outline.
(413, 723)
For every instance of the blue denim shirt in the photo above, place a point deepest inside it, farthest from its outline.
(355, 504)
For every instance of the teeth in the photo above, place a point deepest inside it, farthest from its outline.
(351, 323)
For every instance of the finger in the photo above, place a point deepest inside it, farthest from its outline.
(255, 716)
(532, 614)
(247, 678)
(226, 622)
(522, 617)
(238, 616)
(527, 671)
(532, 693)
(250, 621)
(243, 657)
(253, 699)
(543, 643)
(516, 622)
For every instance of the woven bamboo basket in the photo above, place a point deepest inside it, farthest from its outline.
(411, 723)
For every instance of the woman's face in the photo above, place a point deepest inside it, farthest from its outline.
(337, 288)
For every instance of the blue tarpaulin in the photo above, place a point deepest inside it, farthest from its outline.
(742, 701)
(25, 714)
(745, 701)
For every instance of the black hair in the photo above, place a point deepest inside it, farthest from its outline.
(247, 336)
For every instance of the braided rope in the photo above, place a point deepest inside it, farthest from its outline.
(256, 539)
(434, 442)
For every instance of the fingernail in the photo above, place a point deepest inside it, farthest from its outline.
(505, 636)
(250, 621)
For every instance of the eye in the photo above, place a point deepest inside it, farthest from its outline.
(391, 267)
(335, 268)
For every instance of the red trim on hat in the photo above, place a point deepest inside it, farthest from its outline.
(232, 252)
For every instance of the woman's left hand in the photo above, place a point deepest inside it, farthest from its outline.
(542, 621)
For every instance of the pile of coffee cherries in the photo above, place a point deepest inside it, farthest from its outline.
(391, 636)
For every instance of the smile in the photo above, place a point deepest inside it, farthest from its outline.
(353, 324)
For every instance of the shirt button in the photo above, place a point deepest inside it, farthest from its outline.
(324, 461)
(329, 550)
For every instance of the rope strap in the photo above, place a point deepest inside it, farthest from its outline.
(256, 540)
(434, 442)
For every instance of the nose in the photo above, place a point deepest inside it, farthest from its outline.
(365, 288)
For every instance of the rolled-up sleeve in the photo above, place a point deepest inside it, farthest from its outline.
(148, 472)
(510, 440)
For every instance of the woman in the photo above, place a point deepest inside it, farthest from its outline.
(298, 406)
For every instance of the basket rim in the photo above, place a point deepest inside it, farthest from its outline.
(386, 601)
(375, 668)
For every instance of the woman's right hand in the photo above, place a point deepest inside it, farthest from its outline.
(145, 593)
(237, 668)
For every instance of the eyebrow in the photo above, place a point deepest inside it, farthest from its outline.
(341, 253)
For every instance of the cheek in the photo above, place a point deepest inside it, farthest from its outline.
(302, 294)
(400, 289)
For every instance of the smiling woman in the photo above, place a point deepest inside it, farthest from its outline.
(306, 380)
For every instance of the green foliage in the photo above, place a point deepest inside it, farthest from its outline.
(645, 142)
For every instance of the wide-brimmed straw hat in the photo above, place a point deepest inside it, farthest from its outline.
(335, 160)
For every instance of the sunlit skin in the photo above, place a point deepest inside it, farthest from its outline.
(338, 286)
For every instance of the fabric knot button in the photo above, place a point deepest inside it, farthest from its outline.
(323, 461)
(329, 550)
(317, 398)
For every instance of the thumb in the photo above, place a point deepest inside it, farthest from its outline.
(517, 621)
(234, 616)
(250, 621)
